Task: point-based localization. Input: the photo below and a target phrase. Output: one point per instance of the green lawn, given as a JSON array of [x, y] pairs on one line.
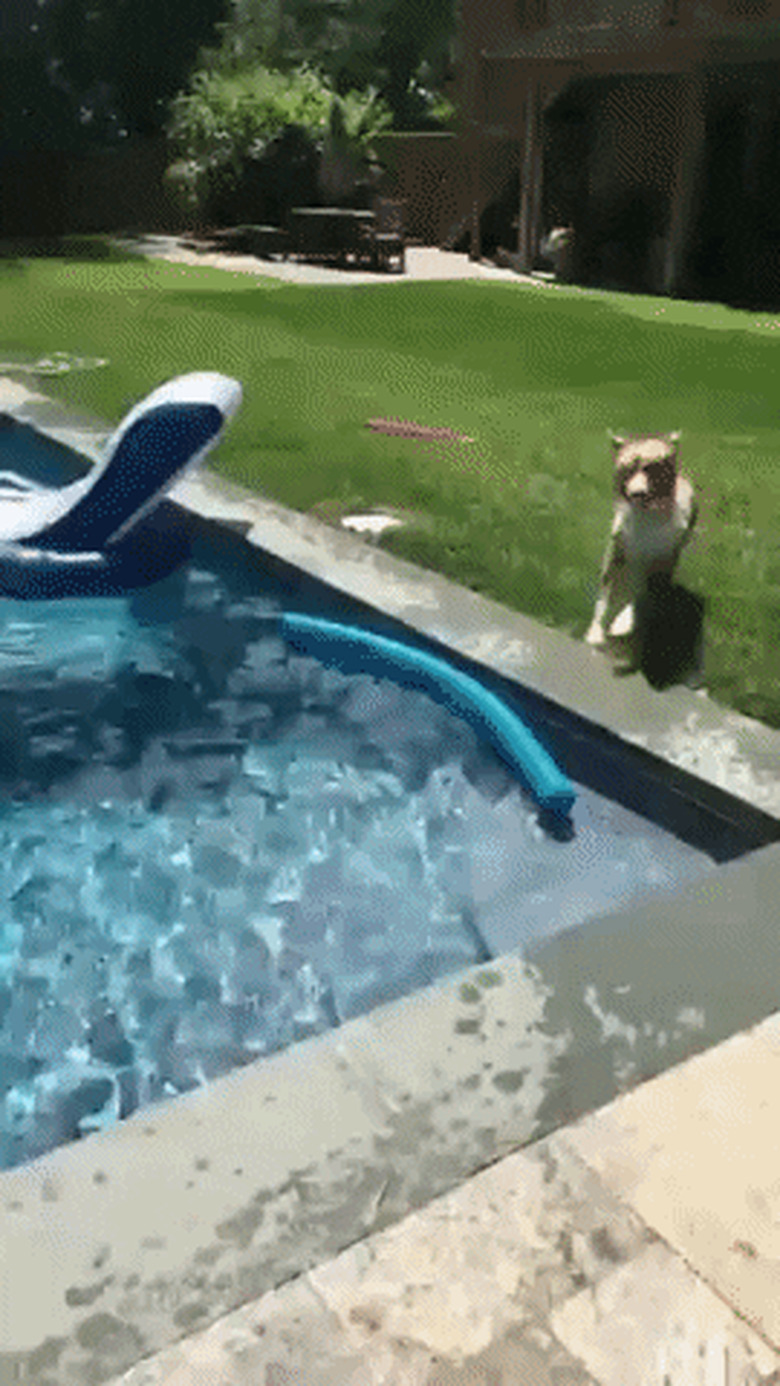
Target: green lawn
[[534, 375]]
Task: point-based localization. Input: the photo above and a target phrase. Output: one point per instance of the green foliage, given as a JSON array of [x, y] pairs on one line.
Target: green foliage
[[226, 118], [400, 47], [251, 34], [364, 116], [442, 111], [96, 68], [123, 60]]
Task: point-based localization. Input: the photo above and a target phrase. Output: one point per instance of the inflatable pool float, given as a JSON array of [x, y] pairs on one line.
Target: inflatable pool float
[[97, 535]]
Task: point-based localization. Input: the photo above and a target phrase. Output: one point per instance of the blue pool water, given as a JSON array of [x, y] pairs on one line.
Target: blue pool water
[[211, 847]]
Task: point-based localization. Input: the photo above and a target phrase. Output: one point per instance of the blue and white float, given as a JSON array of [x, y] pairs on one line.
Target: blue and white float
[[92, 537]]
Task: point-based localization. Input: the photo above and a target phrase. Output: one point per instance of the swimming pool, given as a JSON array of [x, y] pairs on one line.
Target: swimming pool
[[213, 847]]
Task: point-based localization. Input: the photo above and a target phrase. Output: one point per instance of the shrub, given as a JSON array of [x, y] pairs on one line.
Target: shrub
[[226, 121]]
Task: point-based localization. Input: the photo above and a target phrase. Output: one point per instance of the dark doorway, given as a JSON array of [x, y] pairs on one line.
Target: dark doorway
[[736, 243], [567, 139]]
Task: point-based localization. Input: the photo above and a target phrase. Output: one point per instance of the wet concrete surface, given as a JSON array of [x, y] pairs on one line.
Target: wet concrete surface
[[532, 1273]]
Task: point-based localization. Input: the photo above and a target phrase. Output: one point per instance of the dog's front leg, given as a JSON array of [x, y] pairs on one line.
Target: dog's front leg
[[614, 557]]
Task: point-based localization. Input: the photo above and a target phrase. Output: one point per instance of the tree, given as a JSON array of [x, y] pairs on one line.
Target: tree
[[125, 59], [337, 71], [413, 56], [34, 112], [223, 124], [399, 47]]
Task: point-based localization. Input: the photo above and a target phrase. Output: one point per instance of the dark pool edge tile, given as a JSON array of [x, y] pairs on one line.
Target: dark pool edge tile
[[645, 988]]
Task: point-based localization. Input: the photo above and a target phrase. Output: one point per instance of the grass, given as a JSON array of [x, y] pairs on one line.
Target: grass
[[534, 375]]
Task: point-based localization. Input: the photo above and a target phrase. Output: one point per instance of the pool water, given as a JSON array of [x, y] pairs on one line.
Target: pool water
[[211, 847]]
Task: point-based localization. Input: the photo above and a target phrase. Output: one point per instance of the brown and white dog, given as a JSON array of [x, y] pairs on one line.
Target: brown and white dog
[[655, 512]]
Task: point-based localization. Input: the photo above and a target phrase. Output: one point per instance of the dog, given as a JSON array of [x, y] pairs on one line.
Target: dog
[[654, 517]]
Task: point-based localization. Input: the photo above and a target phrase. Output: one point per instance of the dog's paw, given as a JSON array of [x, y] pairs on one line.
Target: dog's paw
[[596, 635], [624, 623]]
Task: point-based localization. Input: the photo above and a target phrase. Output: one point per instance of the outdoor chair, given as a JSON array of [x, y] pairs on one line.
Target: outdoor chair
[[388, 240]]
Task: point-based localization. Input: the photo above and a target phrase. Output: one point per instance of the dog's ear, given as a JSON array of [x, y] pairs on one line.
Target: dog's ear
[[616, 440], [674, 438]]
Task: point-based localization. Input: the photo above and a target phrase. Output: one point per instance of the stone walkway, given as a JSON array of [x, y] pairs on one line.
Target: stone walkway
[[422, 263]]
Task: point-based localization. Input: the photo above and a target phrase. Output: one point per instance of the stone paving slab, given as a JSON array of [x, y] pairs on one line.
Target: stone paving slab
[[655, 1323], [697, 1153], [532, 1273]]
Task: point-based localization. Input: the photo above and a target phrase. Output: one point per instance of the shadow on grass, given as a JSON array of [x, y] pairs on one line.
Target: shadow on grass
[[16, 248], [671, 619]]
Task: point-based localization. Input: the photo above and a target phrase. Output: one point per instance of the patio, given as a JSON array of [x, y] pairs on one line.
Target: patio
[[422, 263]]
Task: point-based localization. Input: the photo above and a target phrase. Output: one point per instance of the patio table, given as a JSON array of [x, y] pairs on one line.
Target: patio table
[[331, 232]]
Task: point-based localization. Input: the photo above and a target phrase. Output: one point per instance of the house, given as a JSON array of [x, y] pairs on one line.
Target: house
[[652, 127]]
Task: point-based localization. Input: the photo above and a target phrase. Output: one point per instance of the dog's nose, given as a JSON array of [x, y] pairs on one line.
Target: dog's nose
[[637, 485]]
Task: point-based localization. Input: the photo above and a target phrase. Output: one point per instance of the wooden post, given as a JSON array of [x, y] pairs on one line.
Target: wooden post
[[530, 181], [687, 181], [471, 39], [537, 178], [475, 179]]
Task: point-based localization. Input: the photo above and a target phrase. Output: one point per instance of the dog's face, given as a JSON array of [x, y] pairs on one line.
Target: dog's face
[[646, 470]]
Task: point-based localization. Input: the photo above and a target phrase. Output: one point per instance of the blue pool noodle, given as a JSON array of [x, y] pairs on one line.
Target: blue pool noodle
[[364, 651]]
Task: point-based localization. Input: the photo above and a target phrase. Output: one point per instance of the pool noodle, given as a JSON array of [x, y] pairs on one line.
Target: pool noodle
[[365, 651]]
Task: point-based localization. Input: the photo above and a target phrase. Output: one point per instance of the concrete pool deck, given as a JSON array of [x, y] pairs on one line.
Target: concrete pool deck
[[364, 1195], [635, 1248]]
